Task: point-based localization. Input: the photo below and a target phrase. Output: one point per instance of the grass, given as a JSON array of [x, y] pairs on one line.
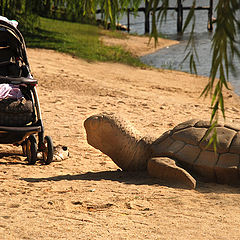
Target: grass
[[80, 40]]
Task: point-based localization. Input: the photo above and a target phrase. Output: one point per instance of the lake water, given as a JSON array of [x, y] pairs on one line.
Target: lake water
[[172, 56]]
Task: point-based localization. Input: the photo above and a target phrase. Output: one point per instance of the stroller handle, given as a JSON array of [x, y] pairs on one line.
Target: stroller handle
[[18, 80]]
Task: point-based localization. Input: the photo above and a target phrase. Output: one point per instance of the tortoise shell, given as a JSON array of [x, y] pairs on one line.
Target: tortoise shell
[[188, 144]]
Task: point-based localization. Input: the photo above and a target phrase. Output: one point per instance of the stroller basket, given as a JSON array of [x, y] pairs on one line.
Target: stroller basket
[[16, 134]]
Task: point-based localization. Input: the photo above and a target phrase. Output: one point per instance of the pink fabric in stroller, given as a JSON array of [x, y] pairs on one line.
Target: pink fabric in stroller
[[10, 91]]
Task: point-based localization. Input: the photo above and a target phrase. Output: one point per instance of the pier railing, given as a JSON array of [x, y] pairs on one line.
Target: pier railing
[[179, 9]]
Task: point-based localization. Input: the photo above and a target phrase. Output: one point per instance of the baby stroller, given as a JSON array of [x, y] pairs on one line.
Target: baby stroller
[[20, 118]]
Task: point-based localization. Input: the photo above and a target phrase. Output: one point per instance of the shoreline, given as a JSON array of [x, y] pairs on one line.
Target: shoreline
[[139, 45]]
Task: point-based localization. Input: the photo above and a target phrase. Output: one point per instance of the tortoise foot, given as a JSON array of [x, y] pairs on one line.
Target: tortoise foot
[[167, 170]]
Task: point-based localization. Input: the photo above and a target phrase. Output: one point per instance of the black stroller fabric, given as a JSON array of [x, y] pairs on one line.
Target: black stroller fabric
[[13, 63]]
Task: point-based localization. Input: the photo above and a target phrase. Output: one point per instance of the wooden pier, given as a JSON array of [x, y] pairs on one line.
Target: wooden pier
[[179, 9]]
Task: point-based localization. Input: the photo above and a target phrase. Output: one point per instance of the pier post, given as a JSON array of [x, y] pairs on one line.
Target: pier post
[[146, 12], [179, 16], [128, 20], [210, 17]]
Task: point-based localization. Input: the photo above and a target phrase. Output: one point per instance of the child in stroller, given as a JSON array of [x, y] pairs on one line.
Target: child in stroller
[[20, 114]]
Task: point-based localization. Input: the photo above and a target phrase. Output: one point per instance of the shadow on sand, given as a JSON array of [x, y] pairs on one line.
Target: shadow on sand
[[137, 178], [125, 177], [9, 158]]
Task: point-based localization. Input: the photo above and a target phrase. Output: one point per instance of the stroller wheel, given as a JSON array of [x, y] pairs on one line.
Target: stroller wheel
[[31, 149], [24, 148], [48, 150]]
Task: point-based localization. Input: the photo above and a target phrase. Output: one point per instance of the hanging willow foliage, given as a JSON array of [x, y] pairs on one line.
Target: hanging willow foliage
[[21, 10], [224, 49]]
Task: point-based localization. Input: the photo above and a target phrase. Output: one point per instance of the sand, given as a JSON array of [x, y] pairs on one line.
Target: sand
[[86, 196], [139, 45]]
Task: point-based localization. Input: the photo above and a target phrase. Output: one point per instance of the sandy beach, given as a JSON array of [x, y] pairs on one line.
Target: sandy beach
[[85, 196]]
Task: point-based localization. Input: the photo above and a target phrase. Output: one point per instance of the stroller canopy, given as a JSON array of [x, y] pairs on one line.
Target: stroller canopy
[[10, 37]]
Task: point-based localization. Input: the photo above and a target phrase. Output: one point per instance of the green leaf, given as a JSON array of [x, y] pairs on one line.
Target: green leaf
[[189, 16]]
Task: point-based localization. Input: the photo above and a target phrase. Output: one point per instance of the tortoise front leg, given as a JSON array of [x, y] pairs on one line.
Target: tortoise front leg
[[166, 169]]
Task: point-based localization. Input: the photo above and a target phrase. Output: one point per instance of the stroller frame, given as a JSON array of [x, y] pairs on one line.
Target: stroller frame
[[24, 135]]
